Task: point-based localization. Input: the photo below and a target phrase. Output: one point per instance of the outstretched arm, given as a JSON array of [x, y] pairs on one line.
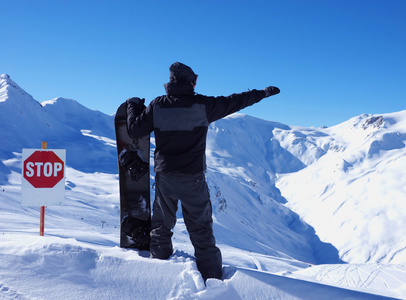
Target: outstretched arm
[[219, 107]]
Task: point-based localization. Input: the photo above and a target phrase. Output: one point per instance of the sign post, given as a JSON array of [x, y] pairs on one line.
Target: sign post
[[42, 209], [43, 179]]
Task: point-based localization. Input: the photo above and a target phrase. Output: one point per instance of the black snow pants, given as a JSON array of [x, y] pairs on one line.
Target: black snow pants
[[193, 193]]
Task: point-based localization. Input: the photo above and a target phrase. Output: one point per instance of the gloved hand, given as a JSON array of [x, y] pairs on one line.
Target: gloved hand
[[136, 100], [135, 106], [271, 90]]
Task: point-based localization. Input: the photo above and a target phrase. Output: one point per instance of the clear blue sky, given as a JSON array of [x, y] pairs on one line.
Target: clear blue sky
[[332, 60]]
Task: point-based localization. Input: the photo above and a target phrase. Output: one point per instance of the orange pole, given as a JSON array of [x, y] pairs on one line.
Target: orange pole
[[42, 221], [42, 211]]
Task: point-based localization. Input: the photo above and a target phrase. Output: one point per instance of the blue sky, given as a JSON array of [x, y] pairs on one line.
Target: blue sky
[[332, 60]]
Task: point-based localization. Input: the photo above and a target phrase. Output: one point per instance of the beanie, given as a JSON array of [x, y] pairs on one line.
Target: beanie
[[181, 72]]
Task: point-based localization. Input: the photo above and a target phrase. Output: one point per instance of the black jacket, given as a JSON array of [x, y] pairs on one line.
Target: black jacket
[[180, 121]]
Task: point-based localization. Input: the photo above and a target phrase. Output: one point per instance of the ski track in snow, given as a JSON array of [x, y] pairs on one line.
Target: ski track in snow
[[8, 293]]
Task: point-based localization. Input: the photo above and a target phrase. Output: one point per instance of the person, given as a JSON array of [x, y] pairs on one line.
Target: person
[[180, 121]]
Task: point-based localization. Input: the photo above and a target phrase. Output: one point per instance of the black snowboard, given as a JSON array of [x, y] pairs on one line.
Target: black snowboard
[[133, 168]]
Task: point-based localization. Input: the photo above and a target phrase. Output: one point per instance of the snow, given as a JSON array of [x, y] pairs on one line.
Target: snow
[[357, 186], [300, 213]]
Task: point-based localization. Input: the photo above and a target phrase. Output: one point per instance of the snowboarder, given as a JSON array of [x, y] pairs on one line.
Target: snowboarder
[[180, 121]]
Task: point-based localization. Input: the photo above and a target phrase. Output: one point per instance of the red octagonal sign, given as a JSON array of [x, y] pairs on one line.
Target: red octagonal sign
[[43, 169]]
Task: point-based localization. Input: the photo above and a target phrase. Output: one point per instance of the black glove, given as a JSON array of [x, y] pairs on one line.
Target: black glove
[[135, 106], [135, 100], [271, 90]]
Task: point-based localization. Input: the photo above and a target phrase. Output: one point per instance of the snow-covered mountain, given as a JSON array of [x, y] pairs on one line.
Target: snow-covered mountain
[[282, 195], [64, 123], [355, 194]]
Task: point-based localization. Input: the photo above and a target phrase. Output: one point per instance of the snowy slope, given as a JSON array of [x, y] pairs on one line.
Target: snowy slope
[[355, 196], [243, 162], [264, 228]]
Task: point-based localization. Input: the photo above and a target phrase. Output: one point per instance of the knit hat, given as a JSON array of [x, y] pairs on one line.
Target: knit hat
[[181, 72]]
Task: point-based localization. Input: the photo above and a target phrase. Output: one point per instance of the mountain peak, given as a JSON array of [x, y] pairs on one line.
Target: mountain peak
[[8, 87], [4, 76], [5, 80], [4, 83]]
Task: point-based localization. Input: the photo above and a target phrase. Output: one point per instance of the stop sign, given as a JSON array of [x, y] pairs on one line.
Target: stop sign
[[43, 169]]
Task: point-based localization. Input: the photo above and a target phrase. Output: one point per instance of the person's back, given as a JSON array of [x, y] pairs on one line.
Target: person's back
[[180, 121], [180, 126]]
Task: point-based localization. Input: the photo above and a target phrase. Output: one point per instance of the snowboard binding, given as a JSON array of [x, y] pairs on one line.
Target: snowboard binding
[[133, 163], [137, 231]]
